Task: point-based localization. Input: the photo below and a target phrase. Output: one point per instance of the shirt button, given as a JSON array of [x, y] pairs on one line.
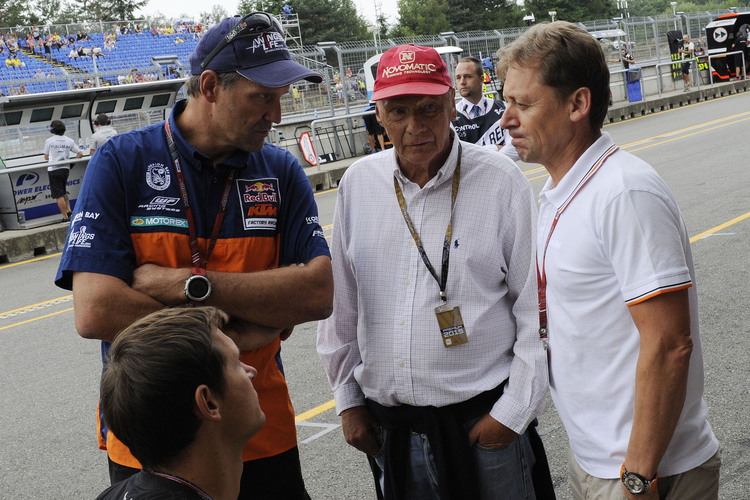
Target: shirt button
[[401, 364], [407, 282], [403, 322]]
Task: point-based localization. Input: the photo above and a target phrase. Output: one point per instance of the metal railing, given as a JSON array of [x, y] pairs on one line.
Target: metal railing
[[672, 63], [719, 56]]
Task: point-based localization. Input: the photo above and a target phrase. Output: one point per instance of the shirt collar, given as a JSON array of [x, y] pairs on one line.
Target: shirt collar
[[558, 194], [443, 175], [465, 105]]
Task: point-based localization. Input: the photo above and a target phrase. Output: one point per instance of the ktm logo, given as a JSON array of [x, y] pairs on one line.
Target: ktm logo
[[263, 210], [407, 56]]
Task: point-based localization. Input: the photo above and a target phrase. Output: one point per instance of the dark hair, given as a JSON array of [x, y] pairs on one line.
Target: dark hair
[[477, 65], [576, 60], [57, 127], [102, 119], [226, 80], [148, 387]]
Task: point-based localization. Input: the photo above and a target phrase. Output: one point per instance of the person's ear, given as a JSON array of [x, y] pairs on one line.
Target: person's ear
[[580, 104], [207, 403], [209, 85]]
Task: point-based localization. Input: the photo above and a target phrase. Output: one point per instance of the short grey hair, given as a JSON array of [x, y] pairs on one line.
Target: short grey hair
[[226, 80]]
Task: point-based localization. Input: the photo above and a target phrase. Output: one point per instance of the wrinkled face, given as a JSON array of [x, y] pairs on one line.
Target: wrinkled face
[[419, 128], [468, 82], [535, 117], [241, 411], [244, 114]]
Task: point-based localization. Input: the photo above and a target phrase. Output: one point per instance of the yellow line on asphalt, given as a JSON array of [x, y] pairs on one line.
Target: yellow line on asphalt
[[35, 305], [719, 227], [687, 135], [56, 254], [315, 411], [36, 319]]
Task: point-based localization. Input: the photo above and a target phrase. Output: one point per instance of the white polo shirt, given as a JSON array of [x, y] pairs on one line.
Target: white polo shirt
[[619, 241]]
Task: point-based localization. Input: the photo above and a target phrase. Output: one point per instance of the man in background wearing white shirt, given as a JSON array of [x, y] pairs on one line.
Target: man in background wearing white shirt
[[433, 351]]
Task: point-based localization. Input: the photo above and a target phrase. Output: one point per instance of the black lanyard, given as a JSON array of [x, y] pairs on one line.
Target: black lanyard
[[443, 279], [198, 262]]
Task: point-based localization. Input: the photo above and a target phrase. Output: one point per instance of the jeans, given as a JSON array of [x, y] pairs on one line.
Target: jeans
[[501, 473]]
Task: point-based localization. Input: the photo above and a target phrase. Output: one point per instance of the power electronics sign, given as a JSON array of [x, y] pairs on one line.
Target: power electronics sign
[[32, 192], [408, 65], [260, 201]]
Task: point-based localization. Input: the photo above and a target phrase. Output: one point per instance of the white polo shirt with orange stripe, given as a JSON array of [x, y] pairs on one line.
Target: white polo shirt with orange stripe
[[619, 240]]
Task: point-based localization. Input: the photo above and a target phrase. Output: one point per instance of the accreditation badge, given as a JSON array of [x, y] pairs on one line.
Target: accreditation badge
[[451, 324]]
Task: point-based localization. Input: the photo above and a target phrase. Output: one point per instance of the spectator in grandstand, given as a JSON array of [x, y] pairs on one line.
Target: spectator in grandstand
[[444, 403], [104, 131], [12, 90], [56, 149], [23, 89], [73, 53], [177, 393], [39, 74], [616, 280], [17, 63], [9, 62], [478, 116], [35, 33], [269, 268], [340, 92]]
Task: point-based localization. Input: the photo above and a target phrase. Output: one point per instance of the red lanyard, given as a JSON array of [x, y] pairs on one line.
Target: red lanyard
[[198, 263], [542, 276]]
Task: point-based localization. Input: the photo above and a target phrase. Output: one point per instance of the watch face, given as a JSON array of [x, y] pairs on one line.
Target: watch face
[[633, 483], [198, 288]]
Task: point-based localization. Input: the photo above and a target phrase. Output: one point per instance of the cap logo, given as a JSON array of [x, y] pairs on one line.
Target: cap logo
[[234, 31], [407, 56], [269, 41]]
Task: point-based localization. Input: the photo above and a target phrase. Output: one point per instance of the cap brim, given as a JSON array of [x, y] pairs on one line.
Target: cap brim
[[280, 73], [410, 89]]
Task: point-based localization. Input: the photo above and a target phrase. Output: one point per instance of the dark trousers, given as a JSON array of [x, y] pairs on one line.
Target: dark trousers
[[272, 478]]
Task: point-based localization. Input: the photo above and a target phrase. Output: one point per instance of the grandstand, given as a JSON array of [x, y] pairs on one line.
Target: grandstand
[[132, 57]]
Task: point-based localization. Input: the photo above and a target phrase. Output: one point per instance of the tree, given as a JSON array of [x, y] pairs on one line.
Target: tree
[[120, 10], [16, 12], [215, 16], [422, 17], [429, 17], [319, 20]]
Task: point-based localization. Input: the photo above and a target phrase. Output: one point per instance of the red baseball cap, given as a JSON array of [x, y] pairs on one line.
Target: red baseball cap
[[411, 70]]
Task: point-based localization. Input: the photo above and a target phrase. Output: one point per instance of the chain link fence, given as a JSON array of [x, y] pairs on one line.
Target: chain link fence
[[341, 63]]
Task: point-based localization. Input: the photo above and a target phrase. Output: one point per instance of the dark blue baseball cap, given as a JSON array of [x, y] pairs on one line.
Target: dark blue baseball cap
[[252, 46]]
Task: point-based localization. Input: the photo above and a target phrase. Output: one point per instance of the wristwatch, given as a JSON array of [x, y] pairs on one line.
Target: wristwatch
[[197, 286], [635, 483]]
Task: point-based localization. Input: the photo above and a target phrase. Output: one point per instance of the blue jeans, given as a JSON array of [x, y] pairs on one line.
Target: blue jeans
[[501, 473]]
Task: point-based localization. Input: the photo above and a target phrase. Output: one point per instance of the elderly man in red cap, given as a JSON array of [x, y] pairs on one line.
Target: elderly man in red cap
[[198, 209], [433, 350]]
